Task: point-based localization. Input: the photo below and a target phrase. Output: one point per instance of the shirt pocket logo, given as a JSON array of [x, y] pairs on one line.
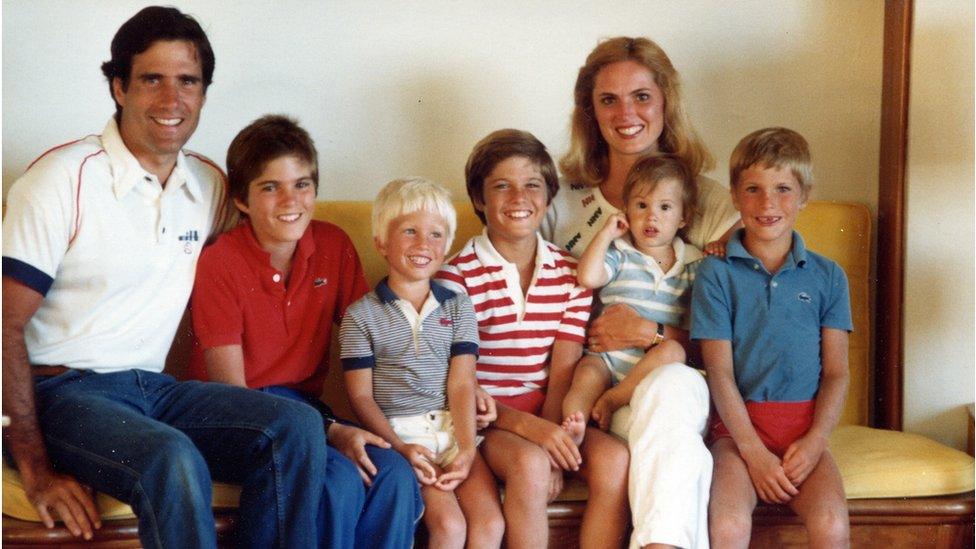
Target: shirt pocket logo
[[804, 297]]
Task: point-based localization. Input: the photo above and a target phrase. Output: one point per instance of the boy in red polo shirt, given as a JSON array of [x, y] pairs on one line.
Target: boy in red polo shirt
[[267, 295]]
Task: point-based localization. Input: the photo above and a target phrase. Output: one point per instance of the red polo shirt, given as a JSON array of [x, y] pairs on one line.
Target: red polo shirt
[[284, 330]]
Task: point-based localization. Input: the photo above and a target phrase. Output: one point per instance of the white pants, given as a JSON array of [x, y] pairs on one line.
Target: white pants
[[670, 467], [433, 430]]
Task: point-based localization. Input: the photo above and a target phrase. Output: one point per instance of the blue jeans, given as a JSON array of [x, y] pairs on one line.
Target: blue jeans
[[383, 515], [156, 443]]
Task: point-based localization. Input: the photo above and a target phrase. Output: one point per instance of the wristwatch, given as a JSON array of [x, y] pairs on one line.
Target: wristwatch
[[659, 336]]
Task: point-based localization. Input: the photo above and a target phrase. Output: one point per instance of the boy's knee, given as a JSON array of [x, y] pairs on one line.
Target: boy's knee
[[831, 526], [530, 469], [488, 528], [728, 529], [449, 527]]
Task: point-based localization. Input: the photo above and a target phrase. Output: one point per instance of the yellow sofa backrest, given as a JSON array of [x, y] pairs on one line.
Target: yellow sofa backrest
[[840, 231]]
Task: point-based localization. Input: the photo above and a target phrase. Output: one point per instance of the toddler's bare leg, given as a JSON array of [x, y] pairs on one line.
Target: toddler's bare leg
[[590, 380], [733, 497], [822, 505]]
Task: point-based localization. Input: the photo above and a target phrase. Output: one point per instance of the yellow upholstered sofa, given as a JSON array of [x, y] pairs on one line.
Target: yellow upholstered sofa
[[904, 489]]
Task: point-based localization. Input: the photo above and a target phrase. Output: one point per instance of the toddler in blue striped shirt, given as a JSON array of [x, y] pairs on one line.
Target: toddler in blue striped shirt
[[638, 259]]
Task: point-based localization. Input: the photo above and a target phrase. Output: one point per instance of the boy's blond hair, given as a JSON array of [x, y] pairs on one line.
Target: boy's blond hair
[[408, 195], [773, 148], [650, 170]]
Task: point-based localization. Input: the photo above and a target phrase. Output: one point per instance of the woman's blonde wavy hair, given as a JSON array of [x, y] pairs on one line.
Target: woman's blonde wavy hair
[[587, 160]]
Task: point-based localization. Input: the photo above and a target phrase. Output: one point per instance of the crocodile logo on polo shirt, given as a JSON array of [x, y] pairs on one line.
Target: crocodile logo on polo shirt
[[804, 297], [319, 282], [446, 321]]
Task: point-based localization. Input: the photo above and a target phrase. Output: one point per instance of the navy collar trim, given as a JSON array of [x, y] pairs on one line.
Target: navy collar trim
[[386, 295]]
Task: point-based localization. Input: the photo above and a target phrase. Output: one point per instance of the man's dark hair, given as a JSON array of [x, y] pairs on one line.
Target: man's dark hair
[[147, 27], [267, 138]]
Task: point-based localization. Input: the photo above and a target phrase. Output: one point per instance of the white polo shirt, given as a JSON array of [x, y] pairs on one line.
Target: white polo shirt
[[112, 251]]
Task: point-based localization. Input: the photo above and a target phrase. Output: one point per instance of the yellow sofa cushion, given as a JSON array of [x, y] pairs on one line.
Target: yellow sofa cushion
[[878, 463], [15, 504]]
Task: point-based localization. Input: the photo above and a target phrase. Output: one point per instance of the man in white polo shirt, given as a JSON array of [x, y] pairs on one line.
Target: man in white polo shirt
[[100, 245]]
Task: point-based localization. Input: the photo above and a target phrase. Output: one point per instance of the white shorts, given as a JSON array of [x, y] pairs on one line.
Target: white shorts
[[432, 430]]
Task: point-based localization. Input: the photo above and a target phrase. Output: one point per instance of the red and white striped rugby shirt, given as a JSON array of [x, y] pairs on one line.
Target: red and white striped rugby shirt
[[517, 332]]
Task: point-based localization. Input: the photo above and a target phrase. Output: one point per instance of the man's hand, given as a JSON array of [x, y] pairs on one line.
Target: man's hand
[[456, 471], [71, 502], [485, 409], [802, 456], [422, 461], [351, 442], [768, 477], [562, 451], [619, 327]]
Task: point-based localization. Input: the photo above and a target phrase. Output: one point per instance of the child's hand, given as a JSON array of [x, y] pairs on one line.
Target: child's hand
[[456, 471], [351, 442], [616, 225], [768, 477], [422, 461], [563, 453], [608, 403], [715, 247], [555, 483], [802, 456], [485, 410]]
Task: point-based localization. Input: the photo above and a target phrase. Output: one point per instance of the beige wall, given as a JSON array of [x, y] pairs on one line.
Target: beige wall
[[939, 273], [395, 88]]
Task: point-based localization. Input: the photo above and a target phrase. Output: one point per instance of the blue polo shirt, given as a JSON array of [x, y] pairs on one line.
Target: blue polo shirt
[[772, 320]]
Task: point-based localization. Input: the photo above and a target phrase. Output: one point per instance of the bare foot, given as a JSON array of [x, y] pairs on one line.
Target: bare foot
[[575, 427]]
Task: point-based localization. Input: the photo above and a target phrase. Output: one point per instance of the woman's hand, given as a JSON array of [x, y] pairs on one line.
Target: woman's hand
[[485, 409], [351, 442], [620, 327], [716, 248]]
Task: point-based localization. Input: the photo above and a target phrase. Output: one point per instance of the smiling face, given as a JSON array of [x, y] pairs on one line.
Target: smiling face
[[414, 246], [655, 217], [161, 104], [280, 203], [769, 200], [515, 200], [629, 108]]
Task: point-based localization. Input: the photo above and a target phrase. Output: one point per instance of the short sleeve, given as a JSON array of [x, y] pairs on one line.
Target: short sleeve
[[711, 311], [353, 285], [612, 261], [215, 305], [576, 315], [450, 277], [39, 224], [465, 338], [716, 213], [836, 309], [354, 338]]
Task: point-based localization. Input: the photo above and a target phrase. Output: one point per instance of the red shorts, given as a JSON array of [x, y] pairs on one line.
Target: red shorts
[[528, 402], [778, 424]]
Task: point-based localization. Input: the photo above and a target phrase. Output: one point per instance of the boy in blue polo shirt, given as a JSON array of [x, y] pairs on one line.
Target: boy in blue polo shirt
[[773, 319]]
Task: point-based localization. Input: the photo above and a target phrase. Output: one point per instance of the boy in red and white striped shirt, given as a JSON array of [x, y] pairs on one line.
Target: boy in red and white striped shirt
[[532, 318]]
